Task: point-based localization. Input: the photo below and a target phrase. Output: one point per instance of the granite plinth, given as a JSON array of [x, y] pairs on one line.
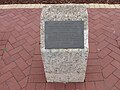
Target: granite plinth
[[64, 65]]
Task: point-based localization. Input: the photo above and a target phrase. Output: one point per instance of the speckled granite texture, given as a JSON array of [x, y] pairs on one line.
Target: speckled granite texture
[[64, 65]]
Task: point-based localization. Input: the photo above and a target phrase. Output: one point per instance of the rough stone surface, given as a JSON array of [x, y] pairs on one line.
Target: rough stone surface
[[64, 65]]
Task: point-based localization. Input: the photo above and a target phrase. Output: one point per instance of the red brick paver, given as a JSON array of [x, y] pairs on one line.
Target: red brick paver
[[21, 66], [17, 46]]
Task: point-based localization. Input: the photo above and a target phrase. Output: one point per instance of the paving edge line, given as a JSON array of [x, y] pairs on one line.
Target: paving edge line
[[10, 6]]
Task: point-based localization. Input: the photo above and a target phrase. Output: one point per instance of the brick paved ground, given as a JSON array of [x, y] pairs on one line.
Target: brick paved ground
[[21, 66]]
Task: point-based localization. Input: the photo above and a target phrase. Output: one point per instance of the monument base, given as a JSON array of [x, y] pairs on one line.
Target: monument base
[[64, 65], [65, 77]]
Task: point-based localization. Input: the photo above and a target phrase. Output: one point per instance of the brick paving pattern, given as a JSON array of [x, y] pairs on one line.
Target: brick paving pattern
[[21, 66]]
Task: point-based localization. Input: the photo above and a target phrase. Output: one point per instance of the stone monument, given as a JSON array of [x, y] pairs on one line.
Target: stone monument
[[64, 42]]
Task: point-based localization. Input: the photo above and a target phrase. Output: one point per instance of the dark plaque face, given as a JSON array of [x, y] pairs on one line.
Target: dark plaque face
[[64, 34]]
